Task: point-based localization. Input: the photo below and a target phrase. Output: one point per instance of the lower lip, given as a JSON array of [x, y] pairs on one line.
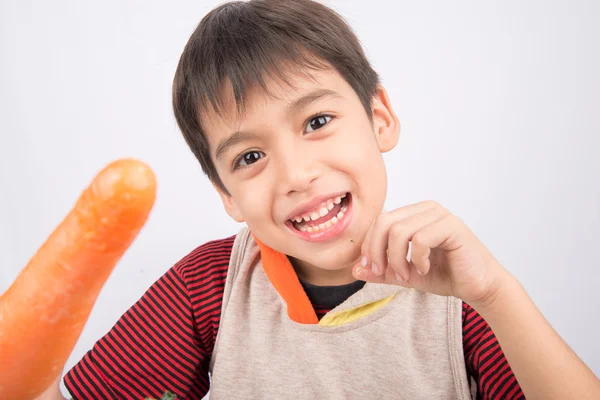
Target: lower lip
[[329, 232]]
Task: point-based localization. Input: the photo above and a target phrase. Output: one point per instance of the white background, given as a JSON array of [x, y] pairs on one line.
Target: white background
[[498, 103]]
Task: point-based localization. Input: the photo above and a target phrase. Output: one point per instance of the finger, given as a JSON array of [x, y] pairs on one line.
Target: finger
[[376, 244], [372, 248], [364, 259], [420, 257], [366, 274], [401, 233], [442, 233]]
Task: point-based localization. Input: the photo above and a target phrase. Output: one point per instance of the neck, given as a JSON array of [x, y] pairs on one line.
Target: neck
[[322, 277]]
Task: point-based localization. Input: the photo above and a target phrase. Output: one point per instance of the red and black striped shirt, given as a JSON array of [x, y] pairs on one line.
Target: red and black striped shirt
[[165, 340]]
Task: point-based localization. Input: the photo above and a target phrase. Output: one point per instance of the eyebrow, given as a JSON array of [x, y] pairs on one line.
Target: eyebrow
[[235, 138], [309, 98], [294, 107]]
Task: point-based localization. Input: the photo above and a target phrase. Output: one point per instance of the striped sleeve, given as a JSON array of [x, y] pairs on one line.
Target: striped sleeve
[[165, 340], [485, 360]]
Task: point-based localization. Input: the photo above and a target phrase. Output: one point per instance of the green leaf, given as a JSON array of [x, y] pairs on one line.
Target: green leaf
[[168, 396]]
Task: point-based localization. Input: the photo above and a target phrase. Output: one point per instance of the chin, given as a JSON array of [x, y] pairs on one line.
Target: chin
[[338, 257]]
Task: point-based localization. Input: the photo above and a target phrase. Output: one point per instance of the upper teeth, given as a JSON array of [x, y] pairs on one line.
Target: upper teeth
[[320, 211]]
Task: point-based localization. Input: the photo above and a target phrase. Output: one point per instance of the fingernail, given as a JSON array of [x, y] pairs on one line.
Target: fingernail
[[364, 261], [399, 277], [420, 272], [375, 268]]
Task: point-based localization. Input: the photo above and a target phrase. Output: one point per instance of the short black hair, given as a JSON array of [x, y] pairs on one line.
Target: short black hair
[[244, 43]]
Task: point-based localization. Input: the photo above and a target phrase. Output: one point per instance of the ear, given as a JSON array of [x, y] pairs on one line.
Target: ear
[[385, 123], [229, 204]]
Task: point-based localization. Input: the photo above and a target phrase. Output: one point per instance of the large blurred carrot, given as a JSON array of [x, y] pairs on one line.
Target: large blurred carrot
[[43, 312]]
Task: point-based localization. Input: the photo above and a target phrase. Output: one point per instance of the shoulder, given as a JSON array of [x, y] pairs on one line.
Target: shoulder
[[208, 260], [187, 300], [203, 273]]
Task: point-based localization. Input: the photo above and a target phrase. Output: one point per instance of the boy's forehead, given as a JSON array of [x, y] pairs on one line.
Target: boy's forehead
[[277, 96]]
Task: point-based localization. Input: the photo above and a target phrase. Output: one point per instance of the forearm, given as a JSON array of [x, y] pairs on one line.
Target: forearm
[[544, 365]]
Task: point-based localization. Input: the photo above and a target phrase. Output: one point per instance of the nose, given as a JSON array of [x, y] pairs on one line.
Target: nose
[[296, 171]]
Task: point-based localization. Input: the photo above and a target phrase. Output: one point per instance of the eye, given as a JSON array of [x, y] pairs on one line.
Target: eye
[[247, 159], [317, 122]]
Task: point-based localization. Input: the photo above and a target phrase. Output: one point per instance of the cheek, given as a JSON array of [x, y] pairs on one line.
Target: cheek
[[254, 204], [357, 151], [253, 207], [360, 158]]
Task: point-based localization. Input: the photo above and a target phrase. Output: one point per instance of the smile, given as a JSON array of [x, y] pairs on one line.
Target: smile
[[325, 221]]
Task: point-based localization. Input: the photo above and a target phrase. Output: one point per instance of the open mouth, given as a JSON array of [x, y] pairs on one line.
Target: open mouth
[[325, 221]]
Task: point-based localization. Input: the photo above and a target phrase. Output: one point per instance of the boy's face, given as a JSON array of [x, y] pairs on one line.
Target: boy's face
[[306, 152]]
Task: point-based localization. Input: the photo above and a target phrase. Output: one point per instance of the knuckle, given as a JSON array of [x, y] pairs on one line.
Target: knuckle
[[432, 204], [397, 231], [418, 240], [380, 222], [454, 219]]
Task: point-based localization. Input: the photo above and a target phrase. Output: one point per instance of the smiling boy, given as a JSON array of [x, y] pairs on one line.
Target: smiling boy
[[288, 119]]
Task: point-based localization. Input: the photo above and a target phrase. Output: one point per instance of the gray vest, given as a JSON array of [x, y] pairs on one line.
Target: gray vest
[[406, 344]]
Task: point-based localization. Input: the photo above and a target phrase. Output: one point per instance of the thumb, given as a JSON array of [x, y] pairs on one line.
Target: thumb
[[366, 274], [389, 278]]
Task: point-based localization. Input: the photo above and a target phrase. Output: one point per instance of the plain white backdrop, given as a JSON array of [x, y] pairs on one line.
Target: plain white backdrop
[[499, 104]]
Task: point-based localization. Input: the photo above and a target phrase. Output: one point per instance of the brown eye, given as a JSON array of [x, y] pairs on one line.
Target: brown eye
[[317, 123], [248, 158]]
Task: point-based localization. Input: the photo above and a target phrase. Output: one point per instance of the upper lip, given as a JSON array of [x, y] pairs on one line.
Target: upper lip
[[312, 203]]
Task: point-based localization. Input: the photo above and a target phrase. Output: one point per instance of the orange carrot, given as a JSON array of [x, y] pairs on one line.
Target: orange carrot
[[44, 310]]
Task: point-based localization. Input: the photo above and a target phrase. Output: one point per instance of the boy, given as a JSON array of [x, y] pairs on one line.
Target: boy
[[288, 120]]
